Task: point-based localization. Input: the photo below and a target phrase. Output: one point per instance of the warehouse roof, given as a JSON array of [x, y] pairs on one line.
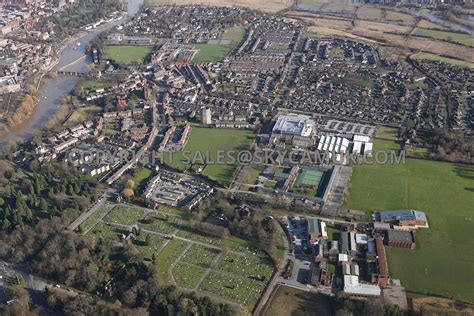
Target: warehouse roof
[[402, 215]]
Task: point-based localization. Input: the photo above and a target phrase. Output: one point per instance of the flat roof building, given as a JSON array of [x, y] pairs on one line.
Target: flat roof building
[[401, 238], [294, 125], [404, 218], [353, 287]]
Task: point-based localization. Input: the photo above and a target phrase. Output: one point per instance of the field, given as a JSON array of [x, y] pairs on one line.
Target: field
[[460, 38], [212, 52], [140, 176], [429, 56], [128, 54], [263, 5], [233, 34], [217, 51], [286, 301], [83, 114], [430, 25], [394, 28], [206, 142], [443, 259]]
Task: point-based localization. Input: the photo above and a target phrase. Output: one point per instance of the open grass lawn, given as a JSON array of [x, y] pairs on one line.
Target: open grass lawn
[[168, 255], [206, 142], [83, 114], [212, 52], [128, 54], [434, 57], [187, 275], [388, 133], [443, 261], [288, 301], [94, 84], [124, 215], [459, 38], [140, 175], [233, 34]]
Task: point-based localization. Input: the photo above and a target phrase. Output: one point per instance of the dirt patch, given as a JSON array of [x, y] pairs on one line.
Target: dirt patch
[[441, 306]]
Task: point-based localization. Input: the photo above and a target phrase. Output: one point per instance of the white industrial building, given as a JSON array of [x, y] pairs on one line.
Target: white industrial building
[[353, 287], [333, 144], [294, 125]]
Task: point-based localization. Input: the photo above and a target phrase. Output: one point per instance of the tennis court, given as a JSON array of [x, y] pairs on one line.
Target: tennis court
[[309, 177]]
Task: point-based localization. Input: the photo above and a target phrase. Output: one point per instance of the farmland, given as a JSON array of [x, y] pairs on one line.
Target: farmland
[[206, 143], [459, 38], [427, 186], [127, 54], [264, 5], [429, 56]]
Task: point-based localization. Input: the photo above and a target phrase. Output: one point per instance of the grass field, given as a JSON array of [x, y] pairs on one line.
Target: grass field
[[429, 56], [459, 38], [263, 5], [212, 52], [206, 142], [94, 84], [430, 25], [215, 51], [443, 260], [83, 114], [233, 34], [288, 301], [140, 175], [127, 54]]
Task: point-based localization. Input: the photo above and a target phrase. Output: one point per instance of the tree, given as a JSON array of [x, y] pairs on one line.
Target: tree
[[43, 205], [130, 184], [147, 240], [127, 193]]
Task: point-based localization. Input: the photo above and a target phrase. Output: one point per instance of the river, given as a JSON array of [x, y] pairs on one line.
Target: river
[[53, 90]]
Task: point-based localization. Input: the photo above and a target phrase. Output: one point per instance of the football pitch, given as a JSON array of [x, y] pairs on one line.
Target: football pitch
[[204, 144], [443, 261], [128, 54]]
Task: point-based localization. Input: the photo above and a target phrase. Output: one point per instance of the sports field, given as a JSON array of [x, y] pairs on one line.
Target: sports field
[[443, 261], [128, 54], [205, 143]]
